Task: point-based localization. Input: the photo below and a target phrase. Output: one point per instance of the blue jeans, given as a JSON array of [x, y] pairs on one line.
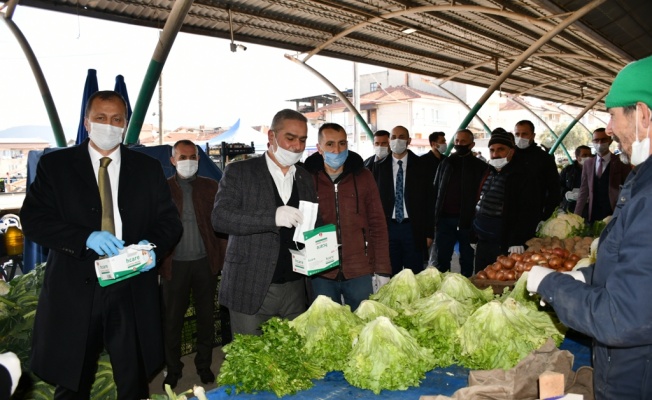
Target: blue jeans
[[447, 234], [354, 290], [403, 252]]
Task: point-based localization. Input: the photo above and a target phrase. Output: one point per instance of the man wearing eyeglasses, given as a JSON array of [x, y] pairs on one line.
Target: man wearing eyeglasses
[[602, 177]]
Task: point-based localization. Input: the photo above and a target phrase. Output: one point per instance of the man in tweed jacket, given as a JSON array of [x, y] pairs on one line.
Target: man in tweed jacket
[[257, 205]]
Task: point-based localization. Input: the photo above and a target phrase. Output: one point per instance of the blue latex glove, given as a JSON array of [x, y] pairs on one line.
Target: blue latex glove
[[152, 255], [104, 243]]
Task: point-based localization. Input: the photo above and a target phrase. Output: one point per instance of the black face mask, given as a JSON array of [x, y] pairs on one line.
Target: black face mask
[[462, 150]]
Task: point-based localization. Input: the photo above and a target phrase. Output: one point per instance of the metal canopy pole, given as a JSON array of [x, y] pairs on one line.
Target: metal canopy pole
[[579, 122], [51, 109], [522, 104], [166, 40], [579, 116], [456, 97], [339, 94], [526, 54]]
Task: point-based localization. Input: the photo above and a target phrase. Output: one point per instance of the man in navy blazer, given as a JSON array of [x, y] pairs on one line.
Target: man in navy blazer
[[409, 230], [76, 317], [257, 206]]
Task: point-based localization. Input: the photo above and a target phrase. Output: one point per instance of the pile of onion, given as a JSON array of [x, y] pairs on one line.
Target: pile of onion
[[510, 268]]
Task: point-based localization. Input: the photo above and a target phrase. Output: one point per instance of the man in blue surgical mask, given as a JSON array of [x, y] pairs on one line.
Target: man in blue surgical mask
[[348, 198], [87, 202], [257, 205]]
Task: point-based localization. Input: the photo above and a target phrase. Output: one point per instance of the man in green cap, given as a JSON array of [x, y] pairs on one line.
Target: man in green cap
[[610, 300]]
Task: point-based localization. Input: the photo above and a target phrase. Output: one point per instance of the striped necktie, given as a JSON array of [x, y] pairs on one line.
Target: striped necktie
[[398, 198]]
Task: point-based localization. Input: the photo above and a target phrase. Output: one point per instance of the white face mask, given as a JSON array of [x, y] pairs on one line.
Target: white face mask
[[522, 143], [442, 148], [381, 152], [286, 157], [580, 161], [640, 149], [187, 168], [105, 136], [398, 146], [601, 148], [498, 163]]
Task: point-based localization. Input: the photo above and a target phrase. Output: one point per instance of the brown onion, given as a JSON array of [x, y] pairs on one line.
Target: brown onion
[[516, 257], [500, 275], [555, 262], [481, 275], [569, 264], [510, 275], [497, 266], [508, 263], [491, 274]]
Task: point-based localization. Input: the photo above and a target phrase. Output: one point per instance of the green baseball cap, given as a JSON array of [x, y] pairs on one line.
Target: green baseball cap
[[632, 84]]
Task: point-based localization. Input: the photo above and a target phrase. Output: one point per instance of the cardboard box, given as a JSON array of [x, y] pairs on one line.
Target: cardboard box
[[117, 268], [320, 252]]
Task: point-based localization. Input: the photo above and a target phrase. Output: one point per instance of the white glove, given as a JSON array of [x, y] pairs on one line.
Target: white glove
[[378, 281], [577, 275], [573, 195], [288, 216], [516, 249], [535, 276], [11, 362], [540, 225]]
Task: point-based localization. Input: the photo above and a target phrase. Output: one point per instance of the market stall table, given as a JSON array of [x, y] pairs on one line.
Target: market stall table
[[443, 381]]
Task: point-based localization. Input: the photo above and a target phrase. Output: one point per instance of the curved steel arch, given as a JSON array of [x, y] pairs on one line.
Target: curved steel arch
[[572, 79], [577, 118], [424, 9]]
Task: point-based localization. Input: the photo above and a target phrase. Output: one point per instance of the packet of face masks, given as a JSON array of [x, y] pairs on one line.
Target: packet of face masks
[[126, 264]]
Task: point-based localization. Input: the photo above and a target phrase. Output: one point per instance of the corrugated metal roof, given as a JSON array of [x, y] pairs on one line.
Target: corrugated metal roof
[[469, 41]]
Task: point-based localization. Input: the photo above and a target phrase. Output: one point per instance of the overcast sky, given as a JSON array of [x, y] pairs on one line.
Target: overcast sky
[[204, 83]]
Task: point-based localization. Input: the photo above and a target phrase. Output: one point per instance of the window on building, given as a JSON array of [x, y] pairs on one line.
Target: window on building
[[373, 86]]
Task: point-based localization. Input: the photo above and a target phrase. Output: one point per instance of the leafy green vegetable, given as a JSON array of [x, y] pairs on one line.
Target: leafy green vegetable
[[400, 291], [500, 334], [329, 330], [369, 310], [435, 324], [386, 357], [272, 362], [429, 281], [462, 289], [522, 295]]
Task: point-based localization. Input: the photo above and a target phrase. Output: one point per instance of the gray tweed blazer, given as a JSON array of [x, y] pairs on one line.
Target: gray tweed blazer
[[245, 209]]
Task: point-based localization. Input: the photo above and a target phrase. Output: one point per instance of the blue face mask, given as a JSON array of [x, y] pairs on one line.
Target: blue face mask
[[335, 160]]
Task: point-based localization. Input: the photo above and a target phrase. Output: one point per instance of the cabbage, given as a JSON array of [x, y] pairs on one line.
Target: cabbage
[[399, 292], [461, 289], [522, 295], [386, 357], [435, 325], [329, 329], [429, 281], [500, 334], [562, 226], [369, 310]]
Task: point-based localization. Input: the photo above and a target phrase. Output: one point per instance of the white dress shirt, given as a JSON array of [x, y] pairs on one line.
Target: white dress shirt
[[283, 182], [114, 176]]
